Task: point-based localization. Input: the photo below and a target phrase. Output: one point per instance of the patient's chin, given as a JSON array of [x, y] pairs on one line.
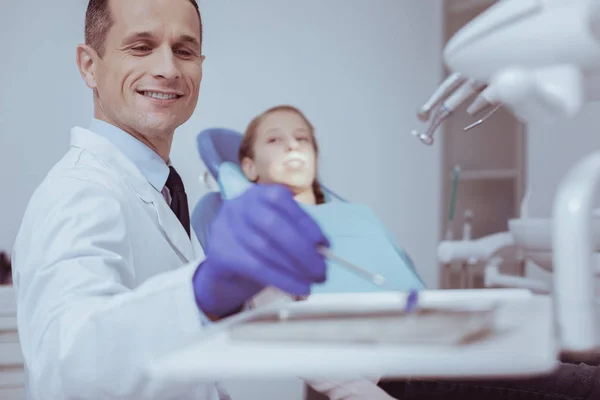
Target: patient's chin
[[294, 180], [297, 184]]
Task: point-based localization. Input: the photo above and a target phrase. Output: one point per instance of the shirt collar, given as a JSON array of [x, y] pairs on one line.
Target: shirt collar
[[154, 169]]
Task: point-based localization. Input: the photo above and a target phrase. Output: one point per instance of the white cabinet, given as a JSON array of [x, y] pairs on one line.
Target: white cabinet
[[12, 379]]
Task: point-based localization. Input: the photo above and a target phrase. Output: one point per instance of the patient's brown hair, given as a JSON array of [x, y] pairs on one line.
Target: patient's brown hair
[[247, 145]]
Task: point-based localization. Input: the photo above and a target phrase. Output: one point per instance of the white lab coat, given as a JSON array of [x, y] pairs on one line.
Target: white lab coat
[[102, 272]]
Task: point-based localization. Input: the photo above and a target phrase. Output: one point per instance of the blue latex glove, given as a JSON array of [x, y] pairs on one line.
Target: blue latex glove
[[261, 238]]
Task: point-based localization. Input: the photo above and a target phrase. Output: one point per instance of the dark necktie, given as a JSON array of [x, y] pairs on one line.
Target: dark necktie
[[179, 203]]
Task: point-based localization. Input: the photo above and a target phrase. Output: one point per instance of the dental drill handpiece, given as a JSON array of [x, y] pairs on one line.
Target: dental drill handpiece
[[460, 95], [439, 116], [449, 85]]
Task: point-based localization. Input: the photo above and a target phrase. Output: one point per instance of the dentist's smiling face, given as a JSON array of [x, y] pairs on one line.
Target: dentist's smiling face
[[147, 76], [284, 152]]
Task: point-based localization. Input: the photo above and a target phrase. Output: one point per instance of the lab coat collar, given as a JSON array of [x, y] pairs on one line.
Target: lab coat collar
[[145, 159], [130, 174]]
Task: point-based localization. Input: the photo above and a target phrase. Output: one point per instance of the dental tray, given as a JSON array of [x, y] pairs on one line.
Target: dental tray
[[389, 324], [255, 344]]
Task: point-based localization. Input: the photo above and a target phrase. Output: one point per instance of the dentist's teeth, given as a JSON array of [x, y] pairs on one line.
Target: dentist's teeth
[[160, 96]]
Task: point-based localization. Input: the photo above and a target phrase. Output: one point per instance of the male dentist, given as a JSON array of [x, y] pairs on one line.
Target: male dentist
[[107, 271]]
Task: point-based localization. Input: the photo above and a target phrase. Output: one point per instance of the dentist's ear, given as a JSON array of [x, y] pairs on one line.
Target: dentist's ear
[[87, 62]]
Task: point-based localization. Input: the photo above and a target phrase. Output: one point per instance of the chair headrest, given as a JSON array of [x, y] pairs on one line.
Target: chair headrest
[[232, 181], [204, 214], [217, 146]]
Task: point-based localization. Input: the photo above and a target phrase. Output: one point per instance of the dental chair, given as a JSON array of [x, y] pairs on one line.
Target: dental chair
[[218, 147]]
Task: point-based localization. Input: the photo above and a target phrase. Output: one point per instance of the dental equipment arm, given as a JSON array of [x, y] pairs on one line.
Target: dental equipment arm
[[479, 249], [541, 59], [494, 278]]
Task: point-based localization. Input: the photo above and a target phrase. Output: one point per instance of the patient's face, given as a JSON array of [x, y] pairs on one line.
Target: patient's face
[[284, 152]]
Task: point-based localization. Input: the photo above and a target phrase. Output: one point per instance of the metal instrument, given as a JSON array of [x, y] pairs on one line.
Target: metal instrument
[[457, 91], [377, 279]]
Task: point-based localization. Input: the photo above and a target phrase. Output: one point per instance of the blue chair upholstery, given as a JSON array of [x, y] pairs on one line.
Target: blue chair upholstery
[[215, 146], [218, 145], [203, 215]]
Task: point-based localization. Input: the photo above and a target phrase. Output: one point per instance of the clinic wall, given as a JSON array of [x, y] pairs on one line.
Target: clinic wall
[[41, 98], [359, 69]]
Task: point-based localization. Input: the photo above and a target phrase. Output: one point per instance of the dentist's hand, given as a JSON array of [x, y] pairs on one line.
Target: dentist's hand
[[261, 238]]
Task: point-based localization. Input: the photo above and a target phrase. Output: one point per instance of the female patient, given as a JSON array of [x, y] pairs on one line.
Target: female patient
[[279, 146]]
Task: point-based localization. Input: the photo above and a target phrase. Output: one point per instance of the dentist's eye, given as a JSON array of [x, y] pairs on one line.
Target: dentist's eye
[[141, 51], [185, 53]]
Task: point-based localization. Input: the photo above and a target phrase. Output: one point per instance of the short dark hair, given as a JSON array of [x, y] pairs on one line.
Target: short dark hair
[[98, 21]]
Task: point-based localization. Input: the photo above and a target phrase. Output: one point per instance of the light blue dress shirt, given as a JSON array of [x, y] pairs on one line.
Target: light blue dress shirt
[[154, 169]]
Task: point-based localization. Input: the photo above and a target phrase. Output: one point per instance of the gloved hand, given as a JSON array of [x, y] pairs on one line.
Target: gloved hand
[[261, 238]]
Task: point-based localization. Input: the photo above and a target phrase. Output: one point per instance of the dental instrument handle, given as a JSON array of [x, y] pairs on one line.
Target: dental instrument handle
[[449, 85], [455, 179], [376, 279], [524, 211], [456, 174], [480, 103], [482, 120], [467, 225], [412, 298], [465, 91]]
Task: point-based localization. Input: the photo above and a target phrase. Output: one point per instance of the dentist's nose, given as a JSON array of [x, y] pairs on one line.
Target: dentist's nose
[[165, 65]]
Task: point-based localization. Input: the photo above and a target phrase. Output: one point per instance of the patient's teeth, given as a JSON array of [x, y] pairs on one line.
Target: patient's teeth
[[294, 163]]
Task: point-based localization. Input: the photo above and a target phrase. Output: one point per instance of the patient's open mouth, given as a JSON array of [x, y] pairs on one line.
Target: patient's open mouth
[[294, 164], [294, 161]]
